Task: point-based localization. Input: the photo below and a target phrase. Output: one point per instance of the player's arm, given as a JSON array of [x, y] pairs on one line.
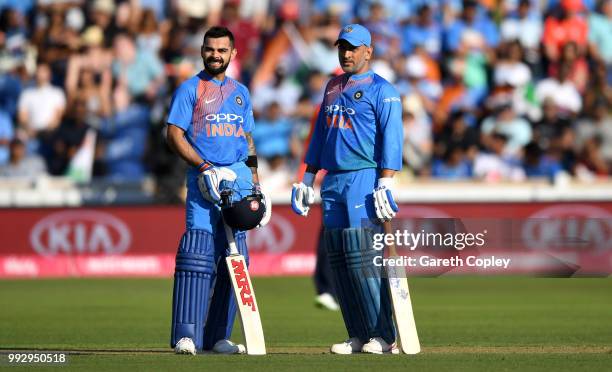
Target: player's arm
[[178, 143], [389, 119], [252, 158], [313, 154], [302, 193], [179, 121]]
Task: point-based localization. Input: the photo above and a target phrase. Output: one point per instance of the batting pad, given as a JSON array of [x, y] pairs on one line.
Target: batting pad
[[353, 321], [192, 277], [223, 308], [371, 293]]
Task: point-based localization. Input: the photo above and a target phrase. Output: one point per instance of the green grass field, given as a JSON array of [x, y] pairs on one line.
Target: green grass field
[[465, 324]]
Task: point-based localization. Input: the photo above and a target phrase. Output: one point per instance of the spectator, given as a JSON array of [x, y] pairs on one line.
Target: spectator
[[496, 165], [591, 163], [6, 135], [149, 37], [385, 32], [457, 133], [516, 130], [598, 89], [273, 133], [67, 139], [477, 25], [40, 108], [10, 90], [22, 165], [600, 41], [281, 89], [140, 71], [454, 166], [418, 144], [561, 90], [425, 31], [124, 137], [578, 68], [417, 88], [526, 29], [550, 127], [563, 26], [538, 164], [599, 128]]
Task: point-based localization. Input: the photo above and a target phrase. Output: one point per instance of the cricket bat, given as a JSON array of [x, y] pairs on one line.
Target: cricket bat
[[402, 306], [245, 298]]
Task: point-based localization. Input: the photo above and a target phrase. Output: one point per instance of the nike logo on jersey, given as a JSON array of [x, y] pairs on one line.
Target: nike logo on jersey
[[359, 205], [207, 101]]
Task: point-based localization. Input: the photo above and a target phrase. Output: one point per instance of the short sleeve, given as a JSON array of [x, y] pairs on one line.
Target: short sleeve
[[181, 108]]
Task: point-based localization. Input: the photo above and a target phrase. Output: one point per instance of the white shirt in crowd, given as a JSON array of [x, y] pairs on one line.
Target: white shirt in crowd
[[565, 94], [41, 105]]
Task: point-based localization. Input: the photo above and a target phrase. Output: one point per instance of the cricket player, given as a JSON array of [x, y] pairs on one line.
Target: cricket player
[[358, 140], [209, 126]]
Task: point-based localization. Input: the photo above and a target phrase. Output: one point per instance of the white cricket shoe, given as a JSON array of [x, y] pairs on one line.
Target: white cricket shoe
[[350, 346], [228, 347], [377, 345], [327, 301], [185, 346]]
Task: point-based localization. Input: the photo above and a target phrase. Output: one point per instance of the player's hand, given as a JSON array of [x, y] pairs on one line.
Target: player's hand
[[209, 180], [385, 206], [302, 195], [266, 201]]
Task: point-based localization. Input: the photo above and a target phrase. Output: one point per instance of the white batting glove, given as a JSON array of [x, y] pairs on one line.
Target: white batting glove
[[210, 179], [266, 202], [385, 206], [302, 195]]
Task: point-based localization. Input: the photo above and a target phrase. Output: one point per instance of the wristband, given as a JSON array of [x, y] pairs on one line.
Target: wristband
[[308, 179], [204, 166], [251, 161]]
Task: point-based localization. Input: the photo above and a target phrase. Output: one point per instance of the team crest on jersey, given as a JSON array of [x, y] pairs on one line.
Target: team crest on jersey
[[239, 100], [358, 94]]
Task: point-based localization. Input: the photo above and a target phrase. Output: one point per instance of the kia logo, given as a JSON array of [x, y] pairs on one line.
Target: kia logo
[[571, 226], [277, 236], [80, 232]]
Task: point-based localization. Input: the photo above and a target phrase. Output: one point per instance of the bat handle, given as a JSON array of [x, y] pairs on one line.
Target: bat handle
[[230, 240]]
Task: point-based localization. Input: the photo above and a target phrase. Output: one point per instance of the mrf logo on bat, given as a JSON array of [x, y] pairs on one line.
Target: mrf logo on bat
[[243, 283]]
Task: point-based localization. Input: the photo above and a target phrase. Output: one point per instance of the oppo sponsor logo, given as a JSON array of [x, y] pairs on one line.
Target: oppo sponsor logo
[[569, 226], [80, 232], [225, 118], [330, 109], [242, 281]]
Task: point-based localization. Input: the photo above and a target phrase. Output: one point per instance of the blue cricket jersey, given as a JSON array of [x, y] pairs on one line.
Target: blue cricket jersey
[[215, 116], [359, 125]]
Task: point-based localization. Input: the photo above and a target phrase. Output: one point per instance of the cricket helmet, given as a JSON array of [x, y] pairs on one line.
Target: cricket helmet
[[243, 214]]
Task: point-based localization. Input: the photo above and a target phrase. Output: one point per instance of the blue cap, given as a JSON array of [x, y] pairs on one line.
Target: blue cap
[[356, 35]]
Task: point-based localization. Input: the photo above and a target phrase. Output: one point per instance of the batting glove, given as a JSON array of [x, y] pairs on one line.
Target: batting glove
[[385, 206], [210, 178], [302, 195], [266, 202]]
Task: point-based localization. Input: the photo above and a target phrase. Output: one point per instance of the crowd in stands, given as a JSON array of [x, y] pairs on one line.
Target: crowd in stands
[[492, 90]]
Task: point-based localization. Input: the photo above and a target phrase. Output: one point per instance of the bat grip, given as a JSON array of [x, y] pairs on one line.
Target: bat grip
[[230, 239]]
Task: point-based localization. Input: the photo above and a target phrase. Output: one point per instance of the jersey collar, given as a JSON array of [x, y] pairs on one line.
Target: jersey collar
[[208, 77], [361, 76]]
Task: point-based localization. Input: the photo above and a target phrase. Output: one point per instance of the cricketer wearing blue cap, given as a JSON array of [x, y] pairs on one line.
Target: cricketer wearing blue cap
[[358, 139]]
